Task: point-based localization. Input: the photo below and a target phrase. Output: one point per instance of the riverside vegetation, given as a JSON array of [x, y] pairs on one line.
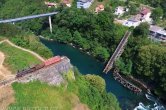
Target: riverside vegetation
[[90, 90]]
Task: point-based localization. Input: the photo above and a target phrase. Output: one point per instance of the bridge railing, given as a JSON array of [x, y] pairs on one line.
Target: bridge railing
[[117, 52], [28, 17]]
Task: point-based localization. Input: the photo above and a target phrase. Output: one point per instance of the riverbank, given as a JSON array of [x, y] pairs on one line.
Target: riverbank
[[131, 78], [87, 64], [72, 45]]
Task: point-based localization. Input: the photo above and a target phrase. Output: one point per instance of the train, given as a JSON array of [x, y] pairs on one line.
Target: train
[[46, 63]]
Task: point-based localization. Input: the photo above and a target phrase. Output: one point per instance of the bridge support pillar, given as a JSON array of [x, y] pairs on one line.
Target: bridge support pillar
[[50, 23]]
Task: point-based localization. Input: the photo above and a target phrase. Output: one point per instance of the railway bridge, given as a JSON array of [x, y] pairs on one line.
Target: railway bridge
[[31, 17], [117, 53]]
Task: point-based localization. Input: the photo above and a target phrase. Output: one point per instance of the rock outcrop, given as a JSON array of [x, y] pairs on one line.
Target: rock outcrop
[[52, 74]]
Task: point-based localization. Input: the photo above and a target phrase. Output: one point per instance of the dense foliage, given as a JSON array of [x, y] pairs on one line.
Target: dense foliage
[[36, 94], [148, 60], [24, 39], [96, 81], [151, 63], [91, 94], [19, 8], [94, 33]]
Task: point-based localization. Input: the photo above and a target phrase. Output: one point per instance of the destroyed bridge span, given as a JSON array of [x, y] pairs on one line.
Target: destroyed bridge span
[[117, 53]]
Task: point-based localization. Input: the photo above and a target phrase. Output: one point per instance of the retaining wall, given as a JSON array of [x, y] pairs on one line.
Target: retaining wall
[[52, 74]]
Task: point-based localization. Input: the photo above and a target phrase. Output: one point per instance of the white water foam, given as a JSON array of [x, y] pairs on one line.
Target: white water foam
[[155, 106]]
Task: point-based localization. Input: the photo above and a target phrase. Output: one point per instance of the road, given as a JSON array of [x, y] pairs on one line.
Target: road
[[28, 17]]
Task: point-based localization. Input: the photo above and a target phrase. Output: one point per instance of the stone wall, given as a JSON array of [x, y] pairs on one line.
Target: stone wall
[[52, 74]]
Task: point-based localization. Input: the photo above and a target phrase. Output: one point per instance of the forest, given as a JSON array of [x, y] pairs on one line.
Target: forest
[[99, 35]]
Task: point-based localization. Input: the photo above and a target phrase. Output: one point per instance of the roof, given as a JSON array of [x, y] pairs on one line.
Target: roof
[[120, 8], [136, 18], [157, 29], [50, 3], [84, 1], [145, 11], [99, 8], [66, 1]]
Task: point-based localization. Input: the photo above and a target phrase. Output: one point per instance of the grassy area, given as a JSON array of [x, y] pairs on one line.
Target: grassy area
[[24, 39], [33, 43], [35, 94], [17, 59], [162, 23]]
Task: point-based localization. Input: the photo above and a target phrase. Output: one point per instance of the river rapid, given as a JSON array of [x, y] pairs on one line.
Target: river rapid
[[88, 65]]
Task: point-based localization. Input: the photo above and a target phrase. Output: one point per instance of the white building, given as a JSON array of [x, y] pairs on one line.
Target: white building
[[157, 33], [143, 16], [134, 21], [145, 13], [120, 10], [84, 3]]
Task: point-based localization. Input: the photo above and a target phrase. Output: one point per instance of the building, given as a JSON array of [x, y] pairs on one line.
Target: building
[[50, 4], [67, 3], [133, 21], [145, 13], [142, 16], [84, 3], [120, 10], [99, 8], [157, 33]]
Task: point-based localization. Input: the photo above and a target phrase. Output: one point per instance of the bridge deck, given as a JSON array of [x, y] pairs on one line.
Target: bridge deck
[[27, 17], [117, 52]]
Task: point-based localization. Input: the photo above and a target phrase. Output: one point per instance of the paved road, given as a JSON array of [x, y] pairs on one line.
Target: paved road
[[28, 17]]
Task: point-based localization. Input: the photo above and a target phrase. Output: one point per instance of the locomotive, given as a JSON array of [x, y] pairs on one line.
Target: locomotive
[[46, 63]]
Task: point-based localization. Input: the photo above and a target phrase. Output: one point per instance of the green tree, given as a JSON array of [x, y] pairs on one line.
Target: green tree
[[133, 9], [96, 81], [142, 30], [151, 65], [125, 68], [157, 13]]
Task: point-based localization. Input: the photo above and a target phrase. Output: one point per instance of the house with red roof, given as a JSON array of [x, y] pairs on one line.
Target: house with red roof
[[99, 8], [145, 13], [50, 4], [142, 16], [67, 3]]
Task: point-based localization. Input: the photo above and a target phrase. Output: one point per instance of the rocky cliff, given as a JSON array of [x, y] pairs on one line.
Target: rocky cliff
[[52, 74]]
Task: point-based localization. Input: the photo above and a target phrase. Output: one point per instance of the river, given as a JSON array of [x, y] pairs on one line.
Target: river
[[88, 65]]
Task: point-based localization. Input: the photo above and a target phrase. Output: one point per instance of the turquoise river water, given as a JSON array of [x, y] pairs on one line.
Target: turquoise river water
[[88, 65]]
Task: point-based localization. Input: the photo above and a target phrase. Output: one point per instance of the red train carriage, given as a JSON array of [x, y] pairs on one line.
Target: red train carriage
[[48, 62], [29, 70], [52, 60]]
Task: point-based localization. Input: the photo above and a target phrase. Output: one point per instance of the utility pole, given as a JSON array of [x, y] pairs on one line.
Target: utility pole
[[50, 23]]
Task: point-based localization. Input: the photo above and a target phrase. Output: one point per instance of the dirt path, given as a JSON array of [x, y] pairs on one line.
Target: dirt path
[[29, 51], [6, 93], [4, 72], [6, 97]]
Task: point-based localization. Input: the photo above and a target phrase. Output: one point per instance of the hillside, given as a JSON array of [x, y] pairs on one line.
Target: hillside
[[75, 94]]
